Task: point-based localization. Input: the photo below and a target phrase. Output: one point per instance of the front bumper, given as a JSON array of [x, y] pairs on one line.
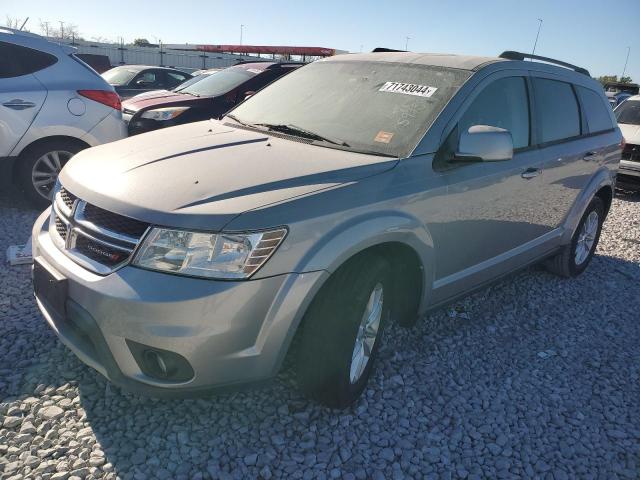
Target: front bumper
[[230, 332], [629, 168]]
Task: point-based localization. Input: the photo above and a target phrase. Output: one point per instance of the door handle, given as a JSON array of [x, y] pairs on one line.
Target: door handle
[[589, 156], [18, 104], [530, 173]]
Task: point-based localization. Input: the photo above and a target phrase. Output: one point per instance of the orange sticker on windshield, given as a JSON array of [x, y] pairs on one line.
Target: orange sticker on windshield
[[383, 137]]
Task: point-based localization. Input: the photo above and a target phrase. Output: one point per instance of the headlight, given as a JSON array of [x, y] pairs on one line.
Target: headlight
[[167, 113], [223, 255]]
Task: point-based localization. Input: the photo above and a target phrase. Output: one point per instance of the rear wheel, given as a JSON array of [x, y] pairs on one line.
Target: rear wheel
[[38, 169], [342, 331], [575, 257]]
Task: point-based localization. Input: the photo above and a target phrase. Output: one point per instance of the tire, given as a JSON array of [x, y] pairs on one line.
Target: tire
[[34, 163], [568, 263], [327, 368]]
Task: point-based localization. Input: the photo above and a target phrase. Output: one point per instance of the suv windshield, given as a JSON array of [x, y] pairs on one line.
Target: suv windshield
[[219, 83], [119, 75], [628, 112], [191, 81], [376, 107]]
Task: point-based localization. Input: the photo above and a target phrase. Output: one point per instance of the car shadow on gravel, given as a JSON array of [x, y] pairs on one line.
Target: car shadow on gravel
[[498, 384]]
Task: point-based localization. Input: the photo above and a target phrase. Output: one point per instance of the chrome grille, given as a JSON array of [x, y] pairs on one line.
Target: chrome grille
[[113, 221], [95, 238], [67, 198], [61, 228]]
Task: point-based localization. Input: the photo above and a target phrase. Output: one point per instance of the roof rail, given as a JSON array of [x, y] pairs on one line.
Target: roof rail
[[384, 49], [511, 55]]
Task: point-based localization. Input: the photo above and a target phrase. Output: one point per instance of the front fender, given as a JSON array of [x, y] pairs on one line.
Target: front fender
[[337, 246], [603, 177]]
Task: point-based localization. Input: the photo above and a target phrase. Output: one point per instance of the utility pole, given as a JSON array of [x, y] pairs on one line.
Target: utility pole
[[241, 29], [406, 43], [624, 70], [535, 44], [61, 29]]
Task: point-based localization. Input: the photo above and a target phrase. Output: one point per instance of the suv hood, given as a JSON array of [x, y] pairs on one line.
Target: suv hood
[[631, 133], [202, 175]]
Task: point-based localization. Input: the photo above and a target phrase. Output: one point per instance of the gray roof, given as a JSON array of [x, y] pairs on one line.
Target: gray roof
[[463, 62]]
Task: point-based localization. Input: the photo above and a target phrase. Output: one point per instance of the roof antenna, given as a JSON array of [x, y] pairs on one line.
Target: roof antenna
[[537, 35], [24, 23]]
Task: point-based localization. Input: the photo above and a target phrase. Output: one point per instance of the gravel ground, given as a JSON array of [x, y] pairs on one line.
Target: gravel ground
[[535, 376]]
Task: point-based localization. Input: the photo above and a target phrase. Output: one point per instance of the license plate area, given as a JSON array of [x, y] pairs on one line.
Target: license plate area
[[50, 286]]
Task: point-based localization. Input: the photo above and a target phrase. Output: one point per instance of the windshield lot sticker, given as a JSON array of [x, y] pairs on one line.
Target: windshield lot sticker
[[408, 89], [383, 137], [254, 70]]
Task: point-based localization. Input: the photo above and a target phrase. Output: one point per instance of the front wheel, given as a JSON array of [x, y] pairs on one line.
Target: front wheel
[[38, 169], [342, 331], [575, 257]]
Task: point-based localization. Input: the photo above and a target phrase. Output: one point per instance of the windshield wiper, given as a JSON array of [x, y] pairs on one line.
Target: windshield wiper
[[235, 119], [301, 132]]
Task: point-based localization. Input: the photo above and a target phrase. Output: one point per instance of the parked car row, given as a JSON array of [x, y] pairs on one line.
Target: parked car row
[[205, 98], [53, 104], [628, 117]]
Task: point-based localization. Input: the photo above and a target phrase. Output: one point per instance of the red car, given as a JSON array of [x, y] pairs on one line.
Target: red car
[[207, 98]]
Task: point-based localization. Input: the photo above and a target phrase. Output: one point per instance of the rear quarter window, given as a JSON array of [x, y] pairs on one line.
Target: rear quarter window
[[596, 110], [16, 60], [557, 110]]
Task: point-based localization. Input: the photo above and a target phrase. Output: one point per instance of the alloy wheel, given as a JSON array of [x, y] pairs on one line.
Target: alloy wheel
[[586, 237], [367, 333], [46, 169]]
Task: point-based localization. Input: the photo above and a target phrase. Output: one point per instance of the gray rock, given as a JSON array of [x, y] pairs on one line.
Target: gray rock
[[51, 412], [11, 422]]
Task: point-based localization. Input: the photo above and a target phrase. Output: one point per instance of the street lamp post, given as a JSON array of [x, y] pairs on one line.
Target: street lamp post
[[624, 70], [241, 29], [406, 43]]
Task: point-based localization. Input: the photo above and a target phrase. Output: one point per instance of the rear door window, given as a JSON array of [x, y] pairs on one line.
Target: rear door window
[[596, 110], [505, 104], [16, 60], [557, 110]]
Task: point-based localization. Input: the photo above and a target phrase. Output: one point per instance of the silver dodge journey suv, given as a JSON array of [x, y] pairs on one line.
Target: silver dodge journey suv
[[357, 190]]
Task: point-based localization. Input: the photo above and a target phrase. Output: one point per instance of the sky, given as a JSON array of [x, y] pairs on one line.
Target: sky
[[590, 33]]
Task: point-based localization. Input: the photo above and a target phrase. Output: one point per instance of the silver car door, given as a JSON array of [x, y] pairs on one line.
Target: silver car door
[[494, 213], [21, 95], [569, 154]]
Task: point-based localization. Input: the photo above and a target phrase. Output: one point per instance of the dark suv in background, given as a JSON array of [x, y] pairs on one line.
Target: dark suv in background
[[130, 80], [208, 98]]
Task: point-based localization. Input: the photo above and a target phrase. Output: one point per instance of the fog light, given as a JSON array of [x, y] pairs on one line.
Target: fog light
[[155, 361], [161, 364]]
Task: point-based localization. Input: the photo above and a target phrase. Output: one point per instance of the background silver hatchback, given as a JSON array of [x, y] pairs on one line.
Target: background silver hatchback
[[52, 105], [356, 190]]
